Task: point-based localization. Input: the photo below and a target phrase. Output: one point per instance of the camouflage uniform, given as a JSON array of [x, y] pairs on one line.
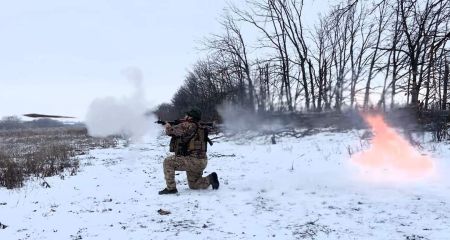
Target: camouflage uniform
[[193, 164]]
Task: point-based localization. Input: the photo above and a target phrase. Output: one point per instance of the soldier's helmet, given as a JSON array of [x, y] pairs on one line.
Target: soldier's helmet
[[195, 113]]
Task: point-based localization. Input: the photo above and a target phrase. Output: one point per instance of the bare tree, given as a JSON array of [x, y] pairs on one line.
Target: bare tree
[[382, 15], [338, 65], [268, 21], [231, 45], [417, 19]]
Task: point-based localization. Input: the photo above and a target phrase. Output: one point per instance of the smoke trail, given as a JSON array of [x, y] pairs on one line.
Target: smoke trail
[[124, 116], [236, 119]]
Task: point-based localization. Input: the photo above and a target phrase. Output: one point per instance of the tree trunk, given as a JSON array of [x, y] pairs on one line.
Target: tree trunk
[[446, 77]]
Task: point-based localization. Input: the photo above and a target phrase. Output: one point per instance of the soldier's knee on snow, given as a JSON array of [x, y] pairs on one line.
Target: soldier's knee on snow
[[192, 186]]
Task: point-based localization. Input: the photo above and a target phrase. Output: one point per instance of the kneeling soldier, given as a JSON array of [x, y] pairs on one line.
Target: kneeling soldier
[[188, 142]]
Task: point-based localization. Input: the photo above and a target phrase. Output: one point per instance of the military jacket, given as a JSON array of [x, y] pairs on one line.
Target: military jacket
[[183, 134]]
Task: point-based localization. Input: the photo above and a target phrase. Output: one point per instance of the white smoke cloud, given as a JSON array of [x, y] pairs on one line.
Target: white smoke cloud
[[236, 119], [124, 116]]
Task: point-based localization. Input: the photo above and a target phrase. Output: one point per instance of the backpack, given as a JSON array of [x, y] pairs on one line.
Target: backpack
[[198, 142]]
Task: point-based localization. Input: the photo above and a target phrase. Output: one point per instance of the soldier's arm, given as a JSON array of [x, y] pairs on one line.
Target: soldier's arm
[[184, 129]]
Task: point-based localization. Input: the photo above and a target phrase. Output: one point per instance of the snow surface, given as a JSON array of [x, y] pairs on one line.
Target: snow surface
[[300, 188]]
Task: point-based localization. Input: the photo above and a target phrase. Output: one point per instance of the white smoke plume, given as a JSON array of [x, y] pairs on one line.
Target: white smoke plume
[[237, 119], [121, 116]]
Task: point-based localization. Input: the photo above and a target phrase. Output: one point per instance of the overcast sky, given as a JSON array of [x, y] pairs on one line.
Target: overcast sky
[[57, 56]]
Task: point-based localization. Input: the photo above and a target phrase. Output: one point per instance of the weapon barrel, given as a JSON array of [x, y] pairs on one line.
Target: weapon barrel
[[36, 115], [176, 122]]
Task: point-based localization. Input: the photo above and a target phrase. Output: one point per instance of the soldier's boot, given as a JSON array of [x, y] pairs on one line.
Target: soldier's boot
[[214, 180], [167, 191]]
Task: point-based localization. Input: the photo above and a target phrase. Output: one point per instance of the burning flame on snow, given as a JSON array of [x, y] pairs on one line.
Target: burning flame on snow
[[390, 157]]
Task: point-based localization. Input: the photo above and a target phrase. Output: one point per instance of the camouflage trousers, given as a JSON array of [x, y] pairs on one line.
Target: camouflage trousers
[[194, 170]]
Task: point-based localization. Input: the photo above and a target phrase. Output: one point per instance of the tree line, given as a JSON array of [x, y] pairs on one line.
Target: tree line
[[360, 54]]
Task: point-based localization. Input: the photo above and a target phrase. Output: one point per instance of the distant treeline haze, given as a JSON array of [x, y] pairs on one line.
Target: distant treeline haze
[[372, 53]]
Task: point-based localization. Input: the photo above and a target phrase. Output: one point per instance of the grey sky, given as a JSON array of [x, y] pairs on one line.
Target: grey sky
[[57, 56]]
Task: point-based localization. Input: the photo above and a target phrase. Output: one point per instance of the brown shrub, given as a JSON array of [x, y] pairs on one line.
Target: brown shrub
[[43, 153], [11, 173]]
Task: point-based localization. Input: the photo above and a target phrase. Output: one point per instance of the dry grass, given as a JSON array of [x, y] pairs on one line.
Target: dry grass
[[44, 152]]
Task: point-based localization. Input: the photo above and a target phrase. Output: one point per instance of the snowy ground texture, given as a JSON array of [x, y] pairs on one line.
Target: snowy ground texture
[[300, 188]]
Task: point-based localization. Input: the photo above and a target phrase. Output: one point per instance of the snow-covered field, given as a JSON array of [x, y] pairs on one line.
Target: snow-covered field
[[300, 188]]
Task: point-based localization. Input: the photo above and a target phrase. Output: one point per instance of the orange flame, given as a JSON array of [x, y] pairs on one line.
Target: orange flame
[[390, 156]]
